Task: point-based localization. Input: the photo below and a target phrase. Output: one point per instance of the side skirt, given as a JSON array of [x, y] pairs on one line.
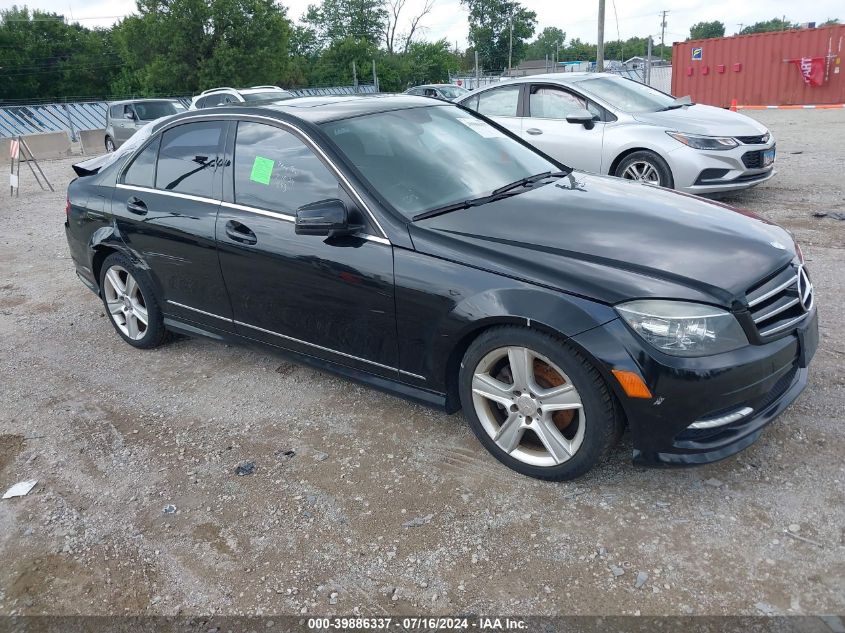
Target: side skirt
[[392, 387]]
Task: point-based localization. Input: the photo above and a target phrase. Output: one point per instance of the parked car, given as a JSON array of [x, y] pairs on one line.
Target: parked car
[[607, 124], [221, 96], [412, 245], [123, 118], [449, 92]]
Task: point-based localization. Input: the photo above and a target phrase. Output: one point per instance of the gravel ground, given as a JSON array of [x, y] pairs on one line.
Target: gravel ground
[[362, 502]]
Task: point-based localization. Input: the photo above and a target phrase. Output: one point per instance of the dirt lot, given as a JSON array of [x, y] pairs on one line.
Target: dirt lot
[[115, 435]]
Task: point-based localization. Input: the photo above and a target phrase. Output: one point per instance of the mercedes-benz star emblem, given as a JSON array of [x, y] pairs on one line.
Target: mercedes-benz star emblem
[[778, 246], [805, 289]]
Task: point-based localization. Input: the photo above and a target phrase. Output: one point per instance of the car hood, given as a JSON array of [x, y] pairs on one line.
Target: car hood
[[703, 119], [613, 240]]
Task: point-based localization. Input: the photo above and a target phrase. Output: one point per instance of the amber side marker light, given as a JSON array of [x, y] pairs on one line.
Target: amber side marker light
[[632, 384]]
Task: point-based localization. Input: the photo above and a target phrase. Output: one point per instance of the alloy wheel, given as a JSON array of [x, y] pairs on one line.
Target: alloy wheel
[[125, 302], [643, 171], [109, 145], [528, 406]]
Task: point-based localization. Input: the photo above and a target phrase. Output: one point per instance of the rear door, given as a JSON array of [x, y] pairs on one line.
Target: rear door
[[165, 205], [502, 104], [545, 126], [325, 297]]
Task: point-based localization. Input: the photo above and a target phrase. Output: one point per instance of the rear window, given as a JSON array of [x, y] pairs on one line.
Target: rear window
[[152, 110]]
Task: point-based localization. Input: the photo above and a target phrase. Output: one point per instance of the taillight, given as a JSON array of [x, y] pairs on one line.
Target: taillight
[[67, 207]]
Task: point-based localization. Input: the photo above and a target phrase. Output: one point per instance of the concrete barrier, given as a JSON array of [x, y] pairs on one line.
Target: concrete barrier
[[42, 146], [93, 141]]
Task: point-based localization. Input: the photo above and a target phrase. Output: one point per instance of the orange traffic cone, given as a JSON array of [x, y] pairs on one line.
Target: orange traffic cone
[[733, 105]]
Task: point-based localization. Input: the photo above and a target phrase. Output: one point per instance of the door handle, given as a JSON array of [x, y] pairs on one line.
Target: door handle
[[240, 233], [136, 206], [533, 131]]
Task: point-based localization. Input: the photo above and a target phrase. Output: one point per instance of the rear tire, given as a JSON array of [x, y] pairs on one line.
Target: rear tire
[[537, 404], [130, 303], [645, 166], [110, 147]]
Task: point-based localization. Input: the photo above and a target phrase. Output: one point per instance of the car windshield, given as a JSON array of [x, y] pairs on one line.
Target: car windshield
[[453, 92], [626, 94], [425, 158], [263, 96], [152, 110]]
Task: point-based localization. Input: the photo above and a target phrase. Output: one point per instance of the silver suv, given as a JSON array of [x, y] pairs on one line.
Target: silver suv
[[221, 96], [124, 117]]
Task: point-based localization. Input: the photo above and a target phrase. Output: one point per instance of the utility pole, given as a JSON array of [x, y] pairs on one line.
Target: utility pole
[[510, 46], [375, 76], [557, 55], [477, 77], [662, 33], [600, 43], [647, 65], [354, 75]]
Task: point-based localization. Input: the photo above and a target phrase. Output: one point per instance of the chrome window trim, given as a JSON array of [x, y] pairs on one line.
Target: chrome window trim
[[308, 141], [164, 192]]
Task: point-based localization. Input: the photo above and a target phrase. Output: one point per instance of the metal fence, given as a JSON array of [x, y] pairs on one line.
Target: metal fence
[[659, 77], [38, 118]]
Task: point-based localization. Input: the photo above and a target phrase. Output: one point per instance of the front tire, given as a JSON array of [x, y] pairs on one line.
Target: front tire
[[537, 404], [130, 303], [645, 166]]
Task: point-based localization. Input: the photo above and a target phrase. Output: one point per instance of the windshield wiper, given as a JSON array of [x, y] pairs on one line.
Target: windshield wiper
[[680, 102], [524, 182], [502, 192]]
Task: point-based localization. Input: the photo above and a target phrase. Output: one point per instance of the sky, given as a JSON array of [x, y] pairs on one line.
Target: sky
[[624, 18]]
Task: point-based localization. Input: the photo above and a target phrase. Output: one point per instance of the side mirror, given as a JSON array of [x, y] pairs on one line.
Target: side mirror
[[582, 116], [327, 218]]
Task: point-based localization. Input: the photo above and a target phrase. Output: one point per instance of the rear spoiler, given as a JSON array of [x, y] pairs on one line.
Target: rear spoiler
[[92, 165]]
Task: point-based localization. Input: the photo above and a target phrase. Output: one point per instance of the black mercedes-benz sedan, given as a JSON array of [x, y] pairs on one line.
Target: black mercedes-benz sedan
[[420, 248]]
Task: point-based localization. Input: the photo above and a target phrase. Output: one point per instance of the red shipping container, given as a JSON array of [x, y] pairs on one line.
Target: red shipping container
[[762, 70]]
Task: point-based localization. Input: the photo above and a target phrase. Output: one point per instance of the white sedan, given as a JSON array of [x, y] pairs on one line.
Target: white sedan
[[604, 123]]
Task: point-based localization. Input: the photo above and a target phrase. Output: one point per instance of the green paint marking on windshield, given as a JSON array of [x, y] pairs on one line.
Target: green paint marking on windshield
[[262, 169]]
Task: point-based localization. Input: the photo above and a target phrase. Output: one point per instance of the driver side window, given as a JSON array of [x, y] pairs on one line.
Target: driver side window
[[550, 102]]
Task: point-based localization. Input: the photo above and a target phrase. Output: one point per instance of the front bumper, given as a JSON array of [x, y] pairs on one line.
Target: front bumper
[[765, 378], [704, 171]]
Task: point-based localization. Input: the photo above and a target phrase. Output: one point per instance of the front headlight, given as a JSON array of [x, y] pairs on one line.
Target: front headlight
[[704, 142], [681, 328]]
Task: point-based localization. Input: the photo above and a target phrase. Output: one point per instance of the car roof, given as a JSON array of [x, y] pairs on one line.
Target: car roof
[[128, 101], [563, 78]]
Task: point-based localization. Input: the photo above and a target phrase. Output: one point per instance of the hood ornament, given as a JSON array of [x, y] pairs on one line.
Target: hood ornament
[[778, 246]]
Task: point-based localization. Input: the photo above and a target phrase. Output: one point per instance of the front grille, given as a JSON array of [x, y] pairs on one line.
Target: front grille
[[753, 140], [753, 160], [781, 302]]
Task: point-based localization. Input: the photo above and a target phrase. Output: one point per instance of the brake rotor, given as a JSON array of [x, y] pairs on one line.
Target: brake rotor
[[546, 377]]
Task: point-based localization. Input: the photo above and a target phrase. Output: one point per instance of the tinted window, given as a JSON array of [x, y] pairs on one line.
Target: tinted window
[[274, 170], [548, 102], [143, 169], [424, 158], [127, 111], [152, 110], [116, 112], [264, 96], [188, 157], [499, 101]]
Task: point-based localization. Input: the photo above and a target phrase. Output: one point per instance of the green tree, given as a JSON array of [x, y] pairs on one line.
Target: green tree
[[336, 20], [830, 22], [490, 25], [705, 30], [768, 26], [548, 42]]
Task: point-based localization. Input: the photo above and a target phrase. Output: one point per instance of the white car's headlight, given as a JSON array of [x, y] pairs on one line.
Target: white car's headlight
[[705, 142], [681, 328]]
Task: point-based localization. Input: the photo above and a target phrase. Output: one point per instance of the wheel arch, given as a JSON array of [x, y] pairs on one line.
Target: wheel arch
[[103, 243], [632, 150]]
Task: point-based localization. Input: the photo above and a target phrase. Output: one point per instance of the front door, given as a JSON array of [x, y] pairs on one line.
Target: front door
[[545, 126], [165, 206], [326, 297]]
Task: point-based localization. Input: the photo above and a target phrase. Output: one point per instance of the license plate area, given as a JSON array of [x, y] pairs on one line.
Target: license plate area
[[768, 156]]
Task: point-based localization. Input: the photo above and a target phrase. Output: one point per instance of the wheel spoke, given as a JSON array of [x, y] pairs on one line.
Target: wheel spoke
[[114, 279], [510, 433], [557, 445], [131, 285], [522, 367], [560, 398], [140, 313], [131, 326], [115, 307], [496, 390]]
